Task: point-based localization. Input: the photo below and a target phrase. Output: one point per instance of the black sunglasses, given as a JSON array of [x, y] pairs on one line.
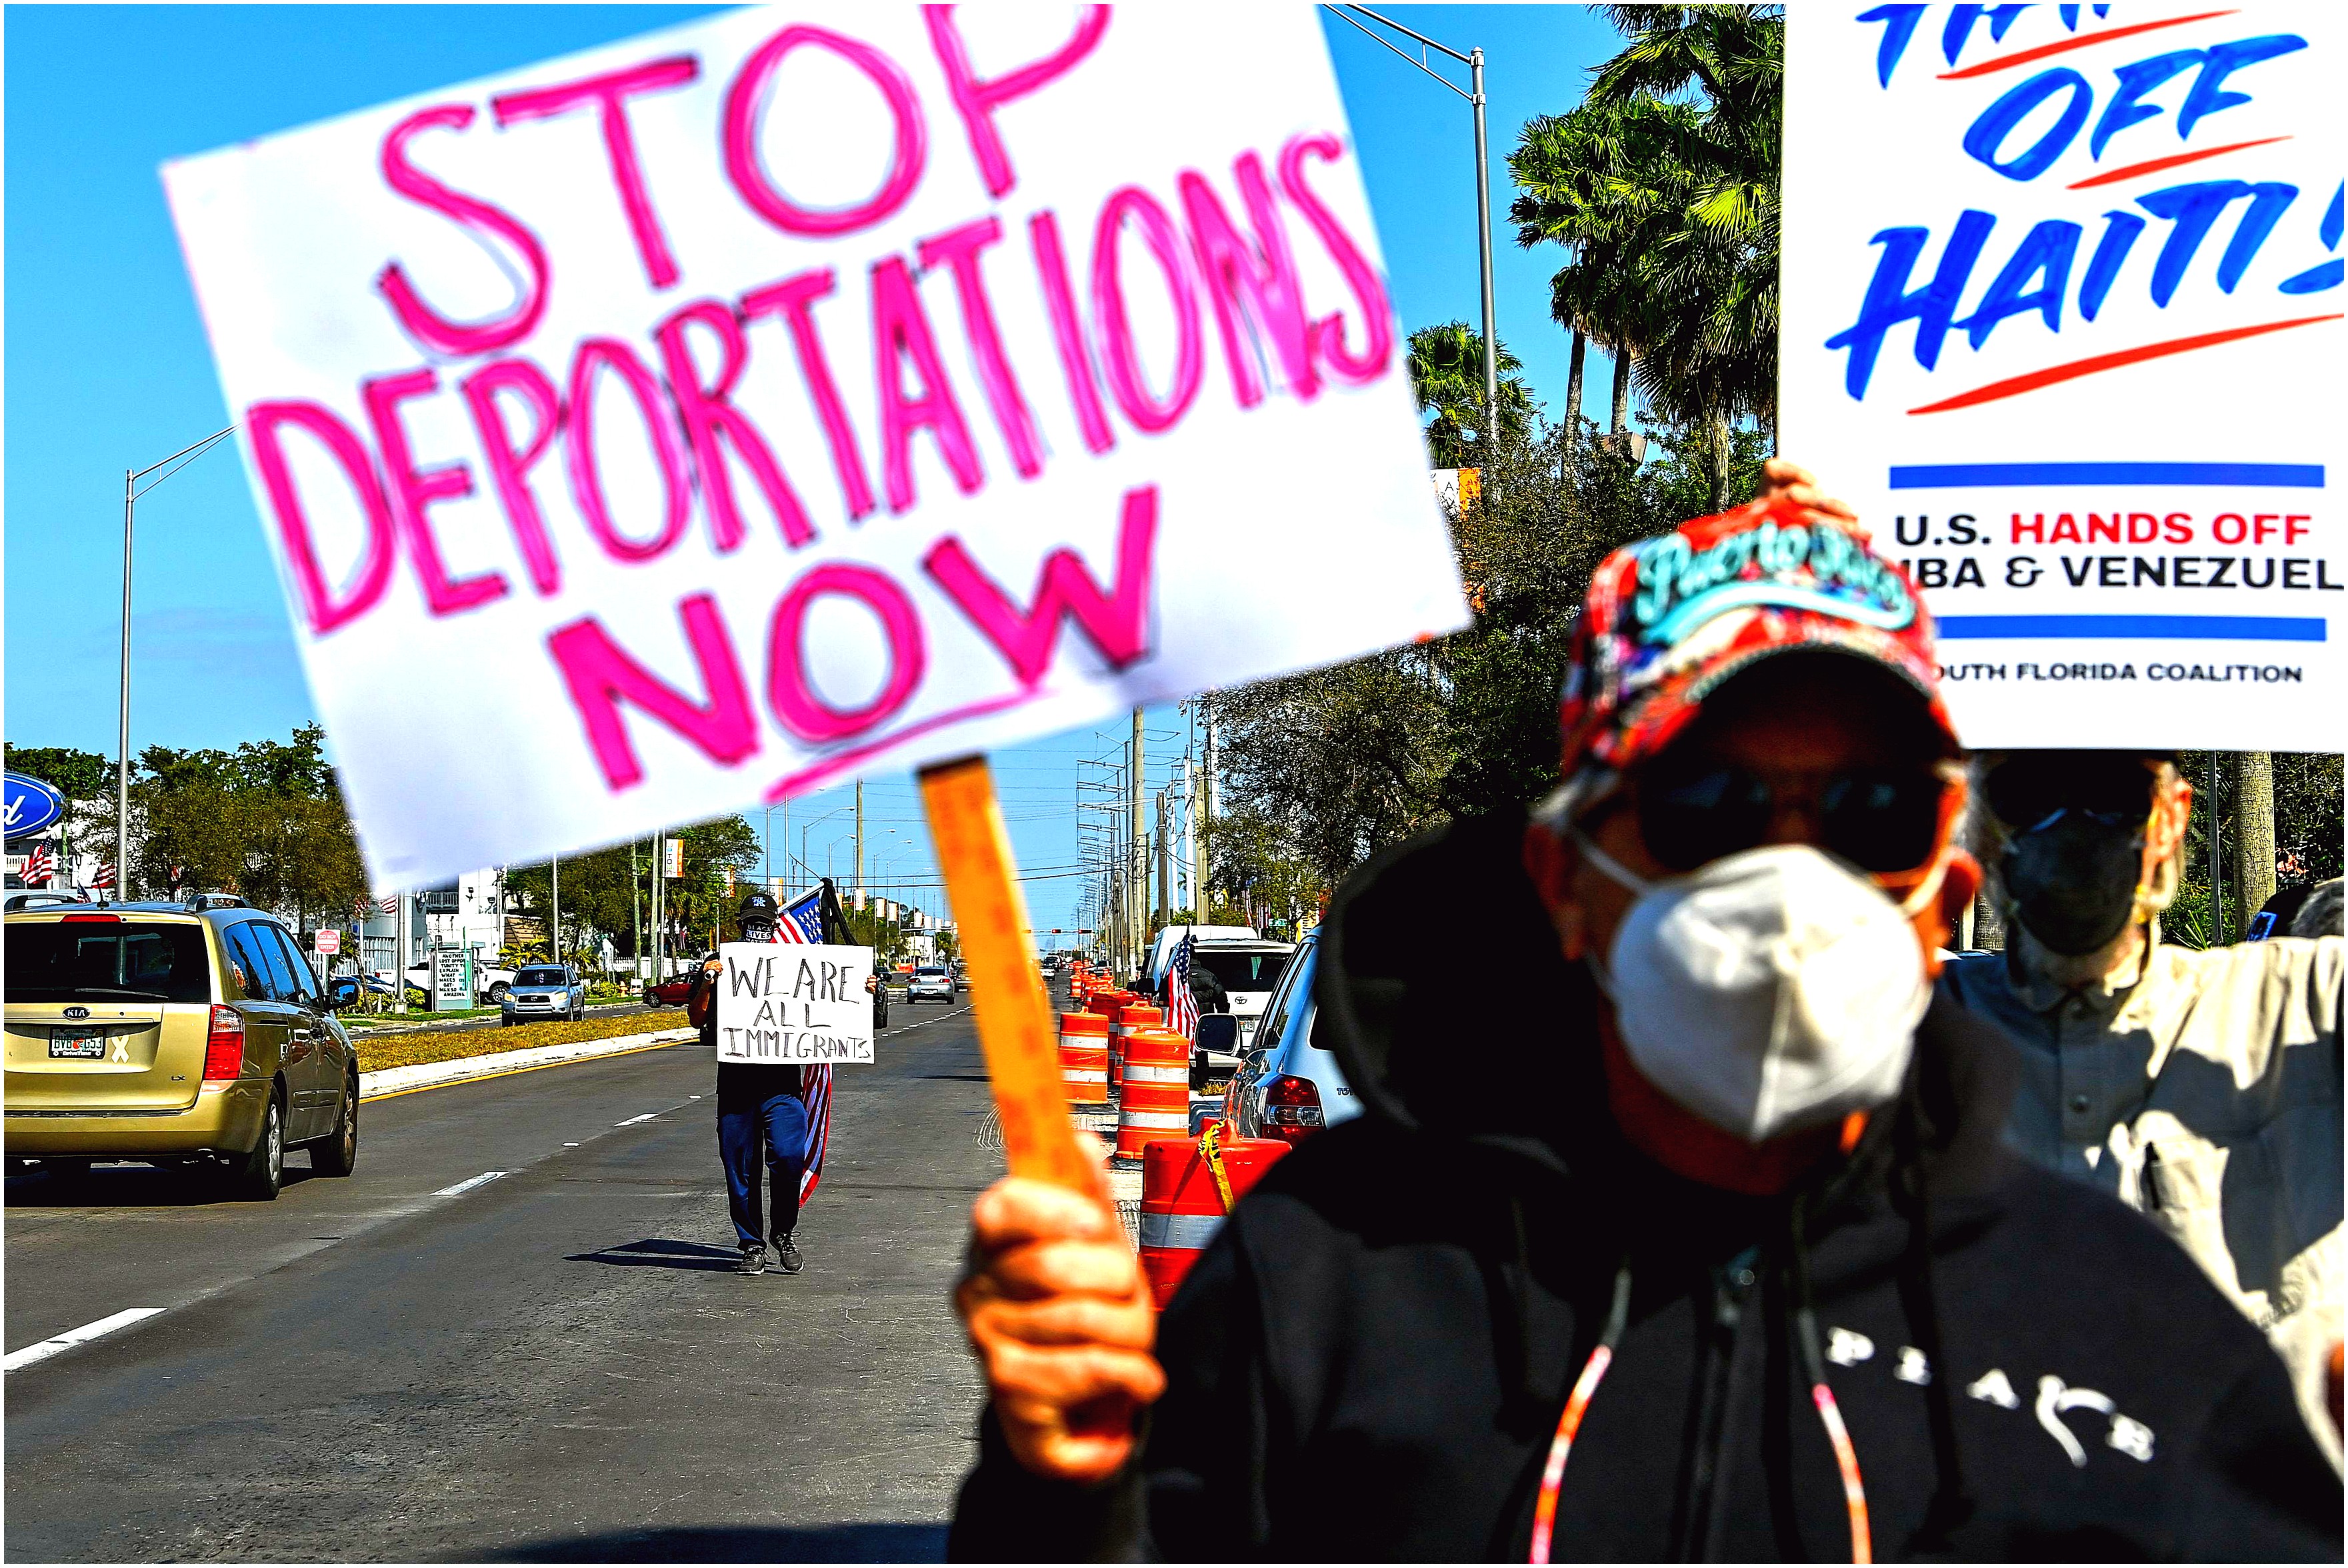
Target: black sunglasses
[[2025, 791], [1880, 820]]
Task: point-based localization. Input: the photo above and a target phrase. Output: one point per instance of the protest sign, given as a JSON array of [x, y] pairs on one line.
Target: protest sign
[[2062, 317], [793, 1003], [714, 417]]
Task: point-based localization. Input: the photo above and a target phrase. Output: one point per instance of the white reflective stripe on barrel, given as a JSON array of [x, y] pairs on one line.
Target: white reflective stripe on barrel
[[1182, 1232], [1143, 1072], [1169, 1120]]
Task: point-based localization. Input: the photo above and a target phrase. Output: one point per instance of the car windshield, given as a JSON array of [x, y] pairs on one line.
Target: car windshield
[[1242, 971], [541, 978], [930, 974], [77, 960]]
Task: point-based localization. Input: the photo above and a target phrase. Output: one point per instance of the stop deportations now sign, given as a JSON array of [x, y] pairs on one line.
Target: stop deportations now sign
[[701, 420]]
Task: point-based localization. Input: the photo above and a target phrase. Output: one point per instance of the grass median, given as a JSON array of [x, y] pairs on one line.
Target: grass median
[[414, 1050]]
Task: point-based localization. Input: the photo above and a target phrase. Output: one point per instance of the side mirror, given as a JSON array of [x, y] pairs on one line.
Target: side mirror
[[1219, 1032], [341, 994]]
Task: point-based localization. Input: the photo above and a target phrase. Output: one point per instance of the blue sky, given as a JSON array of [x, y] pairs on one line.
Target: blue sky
[[107, 367]]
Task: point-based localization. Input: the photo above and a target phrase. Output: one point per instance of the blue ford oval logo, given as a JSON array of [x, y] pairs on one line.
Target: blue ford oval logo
[[76, 1012], [29, 805]]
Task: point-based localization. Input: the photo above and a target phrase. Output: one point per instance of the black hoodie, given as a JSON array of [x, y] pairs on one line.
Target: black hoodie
[[1370, 1360]]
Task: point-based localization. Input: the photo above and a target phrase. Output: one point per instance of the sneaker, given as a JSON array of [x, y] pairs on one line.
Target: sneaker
[[787, 1256], [752, 1262]]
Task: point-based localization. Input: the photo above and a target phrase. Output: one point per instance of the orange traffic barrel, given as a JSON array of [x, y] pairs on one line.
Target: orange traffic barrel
[[1128, 1017], [1156, 1099], [1183, 1204], [1084, 1060]]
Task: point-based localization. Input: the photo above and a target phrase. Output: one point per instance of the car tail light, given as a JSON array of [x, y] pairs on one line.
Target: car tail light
[[1292, 1107], [225, 1048], [91, 920]]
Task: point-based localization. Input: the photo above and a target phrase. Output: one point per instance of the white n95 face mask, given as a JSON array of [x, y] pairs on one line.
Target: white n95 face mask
[[1770, 991]]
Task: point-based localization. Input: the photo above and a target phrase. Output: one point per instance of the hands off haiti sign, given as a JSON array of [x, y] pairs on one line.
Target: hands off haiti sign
[[710, 417], [793, 1003], [2063, 318]]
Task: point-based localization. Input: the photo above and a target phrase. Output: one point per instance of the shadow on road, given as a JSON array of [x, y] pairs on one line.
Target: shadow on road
[[740, 1543], [656, 1252], [133, 1186]]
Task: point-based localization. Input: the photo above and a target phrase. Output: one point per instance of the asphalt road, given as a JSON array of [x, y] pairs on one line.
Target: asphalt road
[[554, 1363]]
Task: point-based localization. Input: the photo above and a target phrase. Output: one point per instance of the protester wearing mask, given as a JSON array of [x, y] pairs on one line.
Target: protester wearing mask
[[1730, 1265], [2201, 1088]]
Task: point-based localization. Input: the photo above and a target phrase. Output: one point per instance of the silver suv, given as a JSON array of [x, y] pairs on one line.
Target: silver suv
[[544, 990]]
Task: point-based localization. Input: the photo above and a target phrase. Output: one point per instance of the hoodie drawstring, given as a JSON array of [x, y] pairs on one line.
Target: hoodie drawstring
[[1806, 1333], [1601, 1357]]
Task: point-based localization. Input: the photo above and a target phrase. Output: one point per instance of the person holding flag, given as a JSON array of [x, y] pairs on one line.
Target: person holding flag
[[1181, 1006]]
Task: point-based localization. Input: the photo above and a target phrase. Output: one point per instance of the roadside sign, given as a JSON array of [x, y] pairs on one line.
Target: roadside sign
[[452, 979], [30, 805], [326, 943], [2061, 292], [797, 392], [789, 1002]]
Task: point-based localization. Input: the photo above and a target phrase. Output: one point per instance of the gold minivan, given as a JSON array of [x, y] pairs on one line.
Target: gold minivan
[[193, 1035]]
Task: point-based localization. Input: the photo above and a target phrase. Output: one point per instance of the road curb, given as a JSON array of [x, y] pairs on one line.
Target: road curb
[[425, 1075]]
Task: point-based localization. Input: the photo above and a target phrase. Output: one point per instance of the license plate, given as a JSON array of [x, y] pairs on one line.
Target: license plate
[[84, 1046]]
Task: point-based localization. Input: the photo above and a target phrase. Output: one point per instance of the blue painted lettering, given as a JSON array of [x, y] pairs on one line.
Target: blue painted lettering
[[2190, 211], [1960, 29], [1898, 27], [2043, 256], [1889, 301], [2126, 106], [2208, 95], [1989, 133], [2120, 230]]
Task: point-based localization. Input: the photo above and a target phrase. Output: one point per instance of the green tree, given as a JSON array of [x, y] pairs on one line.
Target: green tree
[[1446, 375], [75, 774], [1663, 190]]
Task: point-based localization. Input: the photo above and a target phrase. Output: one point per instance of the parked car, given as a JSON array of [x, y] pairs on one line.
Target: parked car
[[669, 993], [544, 990], [1248, 969], [1287, 1087], [930, 982], [197, 1037]]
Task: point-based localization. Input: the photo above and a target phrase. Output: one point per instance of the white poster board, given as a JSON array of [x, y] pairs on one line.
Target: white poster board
[[711, 417], [784, 1003], [2063, 318]]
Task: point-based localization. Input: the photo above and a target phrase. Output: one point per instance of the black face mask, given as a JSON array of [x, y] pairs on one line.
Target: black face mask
[[758, 931], [2073, 879]]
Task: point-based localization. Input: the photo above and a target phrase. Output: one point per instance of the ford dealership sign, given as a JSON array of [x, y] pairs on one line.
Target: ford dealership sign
[[31, 805]]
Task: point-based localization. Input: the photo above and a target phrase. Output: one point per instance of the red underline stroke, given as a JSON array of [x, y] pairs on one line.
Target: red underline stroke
[[832, 766], [2013, 386], [2064, 45], [2155, 165]]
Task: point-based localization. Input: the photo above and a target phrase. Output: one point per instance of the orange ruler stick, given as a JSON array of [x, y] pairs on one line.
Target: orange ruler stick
[[1015, 1014]]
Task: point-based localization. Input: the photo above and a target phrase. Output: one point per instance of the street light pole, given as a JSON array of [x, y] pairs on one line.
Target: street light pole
[[1474, 60], [130, 494]]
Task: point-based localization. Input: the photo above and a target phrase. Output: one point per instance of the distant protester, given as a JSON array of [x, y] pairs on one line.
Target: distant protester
[[2201, 1089]]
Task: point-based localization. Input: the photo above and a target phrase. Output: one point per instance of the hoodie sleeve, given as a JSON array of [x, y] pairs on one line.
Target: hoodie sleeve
[[2256, 1487], [1196, 1491]]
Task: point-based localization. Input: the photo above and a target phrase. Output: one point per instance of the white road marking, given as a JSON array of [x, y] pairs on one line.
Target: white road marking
[[468, 1184], [570, 1146], [634, 1119], [73, 1337]]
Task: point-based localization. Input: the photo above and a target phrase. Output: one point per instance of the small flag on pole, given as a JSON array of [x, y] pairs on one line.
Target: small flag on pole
[[1181, 1007], [105, 881], [40, 866]]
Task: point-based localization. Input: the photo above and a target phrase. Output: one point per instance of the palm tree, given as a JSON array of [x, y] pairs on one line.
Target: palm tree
[[1446, 374], [1663, 189]]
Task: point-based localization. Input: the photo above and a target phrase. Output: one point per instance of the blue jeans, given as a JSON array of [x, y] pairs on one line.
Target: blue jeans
[[782, 1121]]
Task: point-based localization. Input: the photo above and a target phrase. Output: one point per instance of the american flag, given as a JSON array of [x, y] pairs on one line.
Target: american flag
[[1181, 1007], [802, 922], [40, 866], [105, 878]]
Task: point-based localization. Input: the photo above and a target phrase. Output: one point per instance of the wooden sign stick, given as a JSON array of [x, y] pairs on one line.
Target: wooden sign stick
[[1015, 1014]]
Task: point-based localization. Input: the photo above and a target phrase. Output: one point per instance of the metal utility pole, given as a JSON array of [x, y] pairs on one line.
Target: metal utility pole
[[400, 954], [1165, 865], [1207, 819], [554, 931], [1137, 862], [1191, 839], [130, 494], [1474, 60], [635, 915], [860, 842], [659, 910]]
